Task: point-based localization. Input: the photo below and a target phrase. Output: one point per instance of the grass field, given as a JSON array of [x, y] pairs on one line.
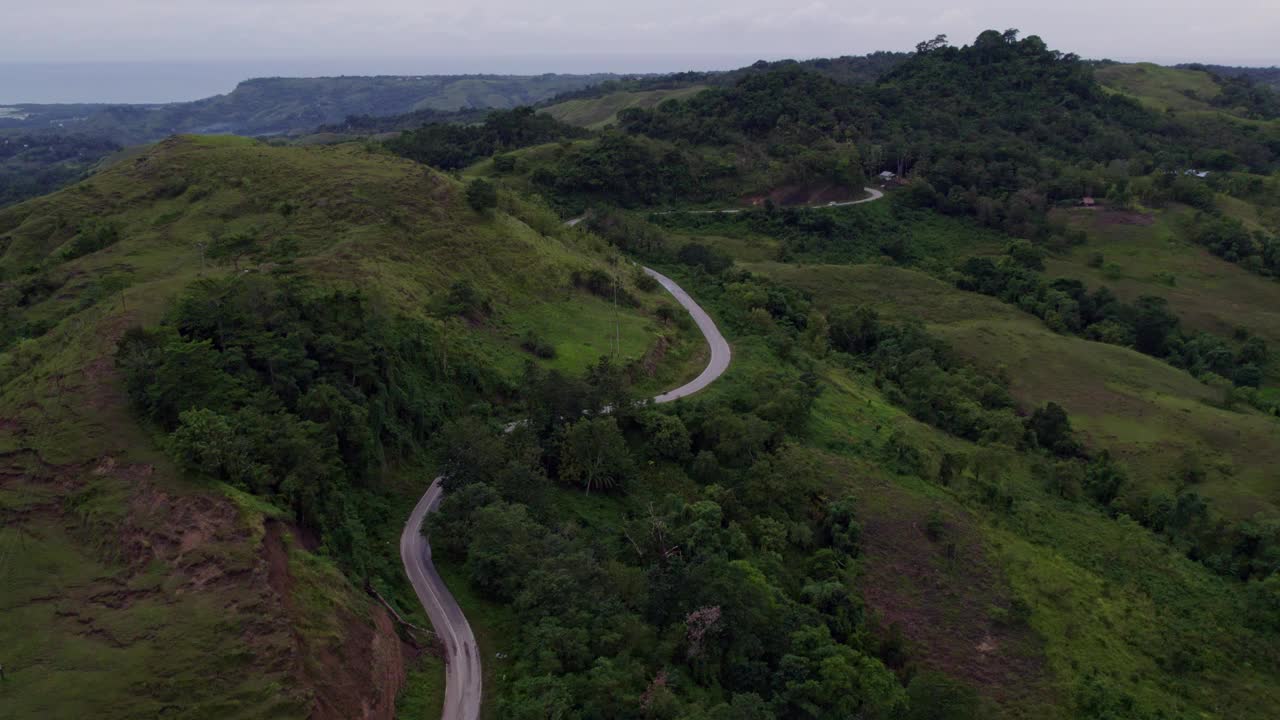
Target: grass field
[[595, 113], [1207, 292], [1161, 88], [1142, 409]]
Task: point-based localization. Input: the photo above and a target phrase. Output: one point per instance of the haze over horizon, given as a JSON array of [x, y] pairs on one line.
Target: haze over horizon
[[183, 50]]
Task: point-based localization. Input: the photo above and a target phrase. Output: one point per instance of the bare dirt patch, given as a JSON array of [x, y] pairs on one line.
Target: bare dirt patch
[[927, 575], [356, 675]]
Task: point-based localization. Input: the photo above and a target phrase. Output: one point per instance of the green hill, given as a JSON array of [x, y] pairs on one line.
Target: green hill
[[1162, 88], [1098, 589], [595, 113], [163, 579]]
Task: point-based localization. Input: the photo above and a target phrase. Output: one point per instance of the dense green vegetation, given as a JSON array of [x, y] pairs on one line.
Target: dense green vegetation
[[296, 395], [732, 595], [37, 164], [1000, 130], [450, 147], [224, 367]]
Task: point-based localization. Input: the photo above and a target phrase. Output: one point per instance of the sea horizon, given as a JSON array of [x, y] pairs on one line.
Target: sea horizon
[[154, 82]]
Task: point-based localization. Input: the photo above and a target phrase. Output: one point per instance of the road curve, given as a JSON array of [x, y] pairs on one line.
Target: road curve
[[720, 353], [463, 678], [872, 195]]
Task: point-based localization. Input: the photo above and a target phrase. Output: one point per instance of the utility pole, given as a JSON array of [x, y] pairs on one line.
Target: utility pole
[[617, 321]]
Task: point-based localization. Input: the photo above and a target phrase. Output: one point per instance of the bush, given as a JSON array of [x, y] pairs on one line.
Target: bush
[[645, 282], [709, 259], [466, 300], [94, 235], [537, 345], [481, 195]]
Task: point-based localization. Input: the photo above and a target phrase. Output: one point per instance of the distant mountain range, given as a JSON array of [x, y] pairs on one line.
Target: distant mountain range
[[274, 106]]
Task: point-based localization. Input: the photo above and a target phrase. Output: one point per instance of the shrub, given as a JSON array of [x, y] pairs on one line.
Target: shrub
[[481, 195], [538, 345]]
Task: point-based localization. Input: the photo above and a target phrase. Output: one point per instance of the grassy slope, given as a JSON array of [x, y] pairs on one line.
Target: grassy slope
[[595, 113], [150, 614], [1161, 88], [1142, 409], [1184, 93], [1104, 596], [1208, 293]]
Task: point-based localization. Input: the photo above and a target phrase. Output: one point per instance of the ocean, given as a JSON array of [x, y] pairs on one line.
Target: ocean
[[157, 82]]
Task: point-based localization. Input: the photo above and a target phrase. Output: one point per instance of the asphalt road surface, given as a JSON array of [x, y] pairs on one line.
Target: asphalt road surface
[[463, 677]]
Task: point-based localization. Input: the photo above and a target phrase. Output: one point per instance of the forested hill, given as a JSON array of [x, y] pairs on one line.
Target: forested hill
[[995, 129], [854, 69]]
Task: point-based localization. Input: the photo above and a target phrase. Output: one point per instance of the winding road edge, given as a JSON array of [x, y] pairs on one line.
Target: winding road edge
[[463, 677]]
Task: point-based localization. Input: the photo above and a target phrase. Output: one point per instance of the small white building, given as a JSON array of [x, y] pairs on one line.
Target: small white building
[[1197, 173], [887, 176]]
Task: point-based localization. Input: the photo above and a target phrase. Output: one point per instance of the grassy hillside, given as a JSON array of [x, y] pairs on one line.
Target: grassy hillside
[[155, 587], [1139, 408], [1195, 95], [1015, 589], [1150, 254], [1162, 88], [595, 113]]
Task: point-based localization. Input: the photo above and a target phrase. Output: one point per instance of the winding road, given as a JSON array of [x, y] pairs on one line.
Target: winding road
[[463, 677], [463, 687]]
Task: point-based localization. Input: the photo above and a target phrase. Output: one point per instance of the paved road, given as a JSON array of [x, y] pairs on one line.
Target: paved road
[[463, 678], [872, 195], [462, 683], [720, 353]]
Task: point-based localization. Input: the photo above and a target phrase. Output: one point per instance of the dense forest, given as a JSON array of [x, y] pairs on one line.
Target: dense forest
[[37, 164], [451, 146], [1000, 130]]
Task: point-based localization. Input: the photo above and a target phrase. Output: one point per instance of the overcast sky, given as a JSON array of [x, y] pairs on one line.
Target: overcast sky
[[1236, 31]]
